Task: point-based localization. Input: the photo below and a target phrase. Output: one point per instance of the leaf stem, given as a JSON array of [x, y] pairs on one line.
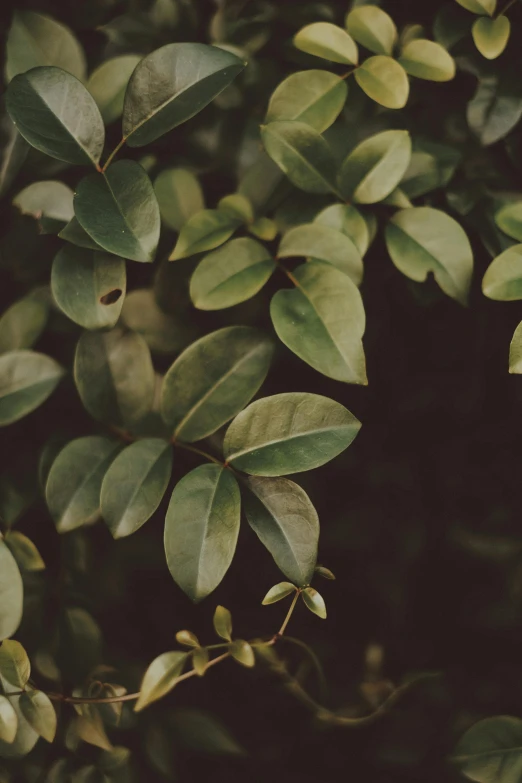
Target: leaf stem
[[112, 155], [289, 613], [201, 453], [286, 271], [506, 8]]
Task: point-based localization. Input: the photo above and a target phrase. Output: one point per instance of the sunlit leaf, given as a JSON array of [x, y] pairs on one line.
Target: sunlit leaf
[[509, 219], [427, 60], [278, 592], [24, 551], [222, 621], [372, 28], [11, 594], [160, 678], [15, 667], [50, 202], [327, 41], [503, 278], [8, 720], [204, 230], [326, 244], [375, 167], [39, 713], [179, 196], [313, 97], [384, 80], [242, 652], [314, 601], [108, 82], [491, 35], [347, 219], [479, 6]]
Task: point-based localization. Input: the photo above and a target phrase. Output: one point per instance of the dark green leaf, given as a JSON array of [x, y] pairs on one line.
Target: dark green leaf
[[495, 108], [491, 750], [161, 332], [76, 235], [313, 97], [26, 381]]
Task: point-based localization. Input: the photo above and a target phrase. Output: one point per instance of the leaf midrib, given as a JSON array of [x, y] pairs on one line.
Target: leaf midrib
[[268, 444]]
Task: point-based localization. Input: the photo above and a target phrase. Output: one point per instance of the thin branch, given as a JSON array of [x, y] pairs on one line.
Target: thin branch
[[112, 155], [201, 453], [506, 7], [289, 613]]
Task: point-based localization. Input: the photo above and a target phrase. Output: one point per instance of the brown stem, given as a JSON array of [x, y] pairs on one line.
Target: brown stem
[[112, 155], [289, 613]]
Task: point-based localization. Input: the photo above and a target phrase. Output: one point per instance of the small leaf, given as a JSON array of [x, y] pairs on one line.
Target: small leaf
[[509, 220], [503, 278], [14, 663], [302, 154], [231, 274], [134, 485], [264, 228], [213, 380], [325, 572], [347, 219], [8, 720], [328, 41], [515, 352], [22, 324], [237, 206], [313, 97], [54, 112], [278, 592], [242, 652], [179, 196], [108, 82], [24, 551], [203, 231], [314, 601], [223, 623], [49, 202], [427, 60], [119, 211], [384, 80], [201, 529], [11, 595], [171, 85], [27, 379], [491, 750], [160, 678], [491, 36], [74, 483], [187, 638], [323, 243], [289, 433], [479, 6], [372, 28], [375, 167], [39, 713], [89, 286], [200, 658]]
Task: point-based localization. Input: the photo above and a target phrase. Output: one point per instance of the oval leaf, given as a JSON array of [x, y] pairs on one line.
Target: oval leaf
[[22, 324], [491, 35], [384, 80], [509, 220], [324, 244], [8, 720], [11, 596], [108, 82], [161, 332], [313, 97], [503, 278], [427, 60], [491, 750], [27, 379], [375, 167], [76, 235], [15, 667], [179, 196], [24, 551], [279, 591], [347, 219], [327, 41], [242, 652], [314, 601], [203, 231], [372, 28], [222, 622], [495, 109], [160, 678], [37, 709]]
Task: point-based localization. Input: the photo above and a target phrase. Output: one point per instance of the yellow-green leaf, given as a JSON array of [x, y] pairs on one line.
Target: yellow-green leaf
[[427, 60], [313, 97], [314, 601], [372, 28], [479, 6], [491, 35], [223, 623], [203, 231], [328, 41], [503, 278], [278, 592], [375, 167], [242, 652], [384, 80], [160, 678]]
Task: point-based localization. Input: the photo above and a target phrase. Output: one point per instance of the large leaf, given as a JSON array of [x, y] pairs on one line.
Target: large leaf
[[509, 219], [324, 244], [74, 482], [114, 376], [119, 211], [372, 28], [503, 278], [171, 85], [491, 751], [427, 60], [22, 323], [491, 35], [421, 240], [313, 97], [231, 274], [282, 515], [384, 80], [179, 196], [39, 713], [135, 484], [479, 6], [160, 677], [213, 380], [26, 381], [55, 113], [36, 39], [11, 593], [375, 167], [328, 41], [50, 202], [89, 286], [322, 320], [495, 108], [107, 84], [347, 219], [302, 154], [289, 433], [204, 230], [201, 529]]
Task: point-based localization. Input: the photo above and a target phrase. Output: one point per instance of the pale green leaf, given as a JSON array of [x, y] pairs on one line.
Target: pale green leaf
[[479, 6], [26, 738], [222, 621], [491, 750], [242, 652], [50, 202], [108, 82], [200, 659], [314, 601], [187, 638], [375, 167], [162, 332], [15, 666], [323, 243], [313, 97], [11, 594], [264, 228], [27, 379], [503, 278], [237, 206], [427, 60], [509, 220], [347, 219], [22, 324], [278, 592], [372, 28], [39, 713], [384, 80], [491, 36], [515, 352], [398, 198], [179, 196], [203, 231], [328, 41], [160, 678], [8, 720], [24, 551]]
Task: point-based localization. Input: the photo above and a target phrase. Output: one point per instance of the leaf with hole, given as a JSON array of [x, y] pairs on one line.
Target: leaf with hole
[[384, 80], [323, 243], [427, 60], [313, 97], [203, 231], [179, 196], [27, 379], [328, 41], [375, 167], [373, 28]]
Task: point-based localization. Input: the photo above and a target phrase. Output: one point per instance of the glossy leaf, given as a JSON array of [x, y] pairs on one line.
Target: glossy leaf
[[24, 551], [89, 286], [326, 244], [282, 515], [322, 321], [179, 196], [491, 750], [384, 80], [302, 154], [503, 278], [8, 720], [15, 667], [509, 219], [423, 240], [370, 26], [76, 235], [289, 433], [427, 60], [314, 601], [242, 652], [491, 35], [479, 6], [327, 41], [135, 484], [171, 85], [187, 638], [278, 592], [375, 167], [347, 219], [27, 379], [75, 479], [223, 623], [39, 713], [313, 97], [55, 113], [11, 595], [231, 274], [108, 82], [213, 380], [22, 324], [119, 211], [160, 678], [515, 352], [204, 231], [50, 202], [201, 529]]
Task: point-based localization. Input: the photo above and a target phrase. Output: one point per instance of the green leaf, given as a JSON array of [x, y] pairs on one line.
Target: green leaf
[[50, 202], [135, 484], [8, 721], [161, 332], [22, 324], [496, 108], [171, 85], [375, 167], [231, 274], [264, 228], [326, 244], [108, 82], [289, 433], [242, 652], [479, 6], [325, 573], [491, 35], [427, 60], [75, 479], [503, 278], [15, 666], [201, 529], [322, 321], [187, 638], [54, 112], [421, 240], [384, 80], [213, 380], [509, 219], [283, 517], [160, 678], [76, 235], [119, 211], [451, 25], [179, 196], [327, 41], [491, 750], [26, 738], [27, 379], [515, 352], [11, 595], [37, 39], [347, 219], [89, 286], [13, 154], [200, 659], [279, 591], [372, 28], [203, 231], [314, 601], [399, 199], [24, 551], [302, 154], [223, 623], [238, 207], [39, 713], [114, 376], [431, 166], [313, 97]]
